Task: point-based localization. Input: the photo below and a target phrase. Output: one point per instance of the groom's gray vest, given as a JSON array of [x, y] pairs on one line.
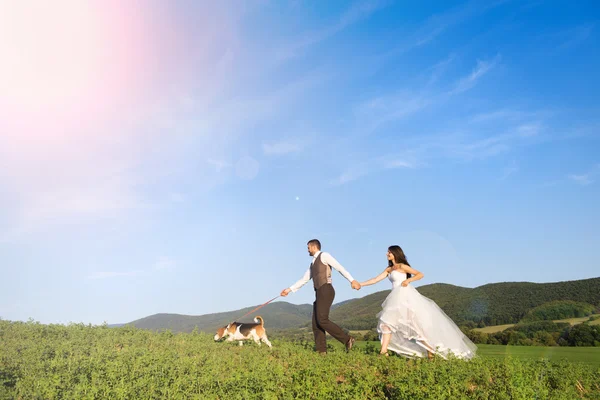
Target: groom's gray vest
[[320, 272]]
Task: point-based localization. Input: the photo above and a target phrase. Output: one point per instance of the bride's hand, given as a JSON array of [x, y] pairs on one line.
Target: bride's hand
[[405, 283]]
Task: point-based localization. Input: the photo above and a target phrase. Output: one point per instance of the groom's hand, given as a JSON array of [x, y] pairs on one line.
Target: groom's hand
[[285, 292], [355, 285]]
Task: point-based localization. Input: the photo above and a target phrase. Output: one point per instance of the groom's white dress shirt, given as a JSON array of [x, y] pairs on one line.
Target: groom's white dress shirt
[[328, 259]]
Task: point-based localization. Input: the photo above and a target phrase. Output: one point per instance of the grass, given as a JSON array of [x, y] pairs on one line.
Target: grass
[[572, 321], [586, 355], [86, 362], [494, 328]]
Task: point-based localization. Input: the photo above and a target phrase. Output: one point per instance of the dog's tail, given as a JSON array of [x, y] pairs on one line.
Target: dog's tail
[[259, 318]]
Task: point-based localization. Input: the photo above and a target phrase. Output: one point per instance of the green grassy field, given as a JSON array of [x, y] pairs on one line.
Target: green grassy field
[[494, 328], [586, 355], [572, 321], [86, 362]]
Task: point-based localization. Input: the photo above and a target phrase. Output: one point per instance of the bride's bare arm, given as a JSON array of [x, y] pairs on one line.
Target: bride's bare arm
[[416, 275], [378, 278]]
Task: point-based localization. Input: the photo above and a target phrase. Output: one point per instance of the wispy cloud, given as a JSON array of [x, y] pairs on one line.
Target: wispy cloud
[[377, 111], [482, 68], [464, 145], [575, 36], [467, 146], [583, 180], [588, 178], [282, 147], [374, 165], [380, 110], [529, 130], [508, 115], [511, 169], [351, 174], [398, 163], [437, 24], [437, 70], [357, 12]]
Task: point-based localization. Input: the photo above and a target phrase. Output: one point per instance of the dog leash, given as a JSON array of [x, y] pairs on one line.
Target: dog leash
[[257, 308]]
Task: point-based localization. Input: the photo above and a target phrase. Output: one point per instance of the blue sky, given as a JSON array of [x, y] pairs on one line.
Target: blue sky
[[224, 137]]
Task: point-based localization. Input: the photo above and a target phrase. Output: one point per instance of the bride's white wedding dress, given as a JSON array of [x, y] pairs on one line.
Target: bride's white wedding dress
[[418, 324]]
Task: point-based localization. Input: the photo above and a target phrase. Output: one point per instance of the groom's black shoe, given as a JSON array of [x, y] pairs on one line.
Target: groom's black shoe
[[349, 343]]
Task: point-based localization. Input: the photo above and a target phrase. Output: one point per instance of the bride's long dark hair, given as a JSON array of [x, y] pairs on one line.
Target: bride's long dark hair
[[399, 257]]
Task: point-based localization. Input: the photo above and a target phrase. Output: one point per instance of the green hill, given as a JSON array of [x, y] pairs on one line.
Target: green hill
[[559, 309], [492, 304], [505, 303], [278, 315]]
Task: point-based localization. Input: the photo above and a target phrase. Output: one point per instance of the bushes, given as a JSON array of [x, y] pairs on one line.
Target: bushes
[[583, 335], [371, 336], [541, 333]]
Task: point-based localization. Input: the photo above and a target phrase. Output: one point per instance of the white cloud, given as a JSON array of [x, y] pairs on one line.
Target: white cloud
[[582, 180], [508, 115], [350, 175], [482, 68], [438, 69], [377, 111], [435, 25], [587, 178], [527, 130], [356, 12], [102, 167], [396, 163], [573, 37], [358, 171], [282, 148], [510, 170]]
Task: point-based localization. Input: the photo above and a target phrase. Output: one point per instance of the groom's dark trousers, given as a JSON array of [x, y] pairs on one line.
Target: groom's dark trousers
[[320, 321]]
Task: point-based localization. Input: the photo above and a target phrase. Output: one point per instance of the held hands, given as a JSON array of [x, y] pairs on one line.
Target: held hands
[[285, 292], [355, 285]]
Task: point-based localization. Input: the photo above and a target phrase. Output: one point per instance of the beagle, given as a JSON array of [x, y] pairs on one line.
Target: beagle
[[242, 331]]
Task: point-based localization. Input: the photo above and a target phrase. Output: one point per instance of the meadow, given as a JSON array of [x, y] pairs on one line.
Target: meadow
[[572, 321], [585, 355], [96, 362]]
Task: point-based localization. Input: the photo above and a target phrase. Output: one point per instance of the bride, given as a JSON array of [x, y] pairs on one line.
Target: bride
[[410, 324]]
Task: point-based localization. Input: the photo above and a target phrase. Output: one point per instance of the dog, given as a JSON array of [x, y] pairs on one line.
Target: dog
[[243, 331]]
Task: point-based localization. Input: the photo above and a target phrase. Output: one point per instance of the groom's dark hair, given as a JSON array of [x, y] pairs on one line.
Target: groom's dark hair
[[315, 242]]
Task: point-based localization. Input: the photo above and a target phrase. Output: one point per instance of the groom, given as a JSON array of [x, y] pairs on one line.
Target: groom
[[320, 272]]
